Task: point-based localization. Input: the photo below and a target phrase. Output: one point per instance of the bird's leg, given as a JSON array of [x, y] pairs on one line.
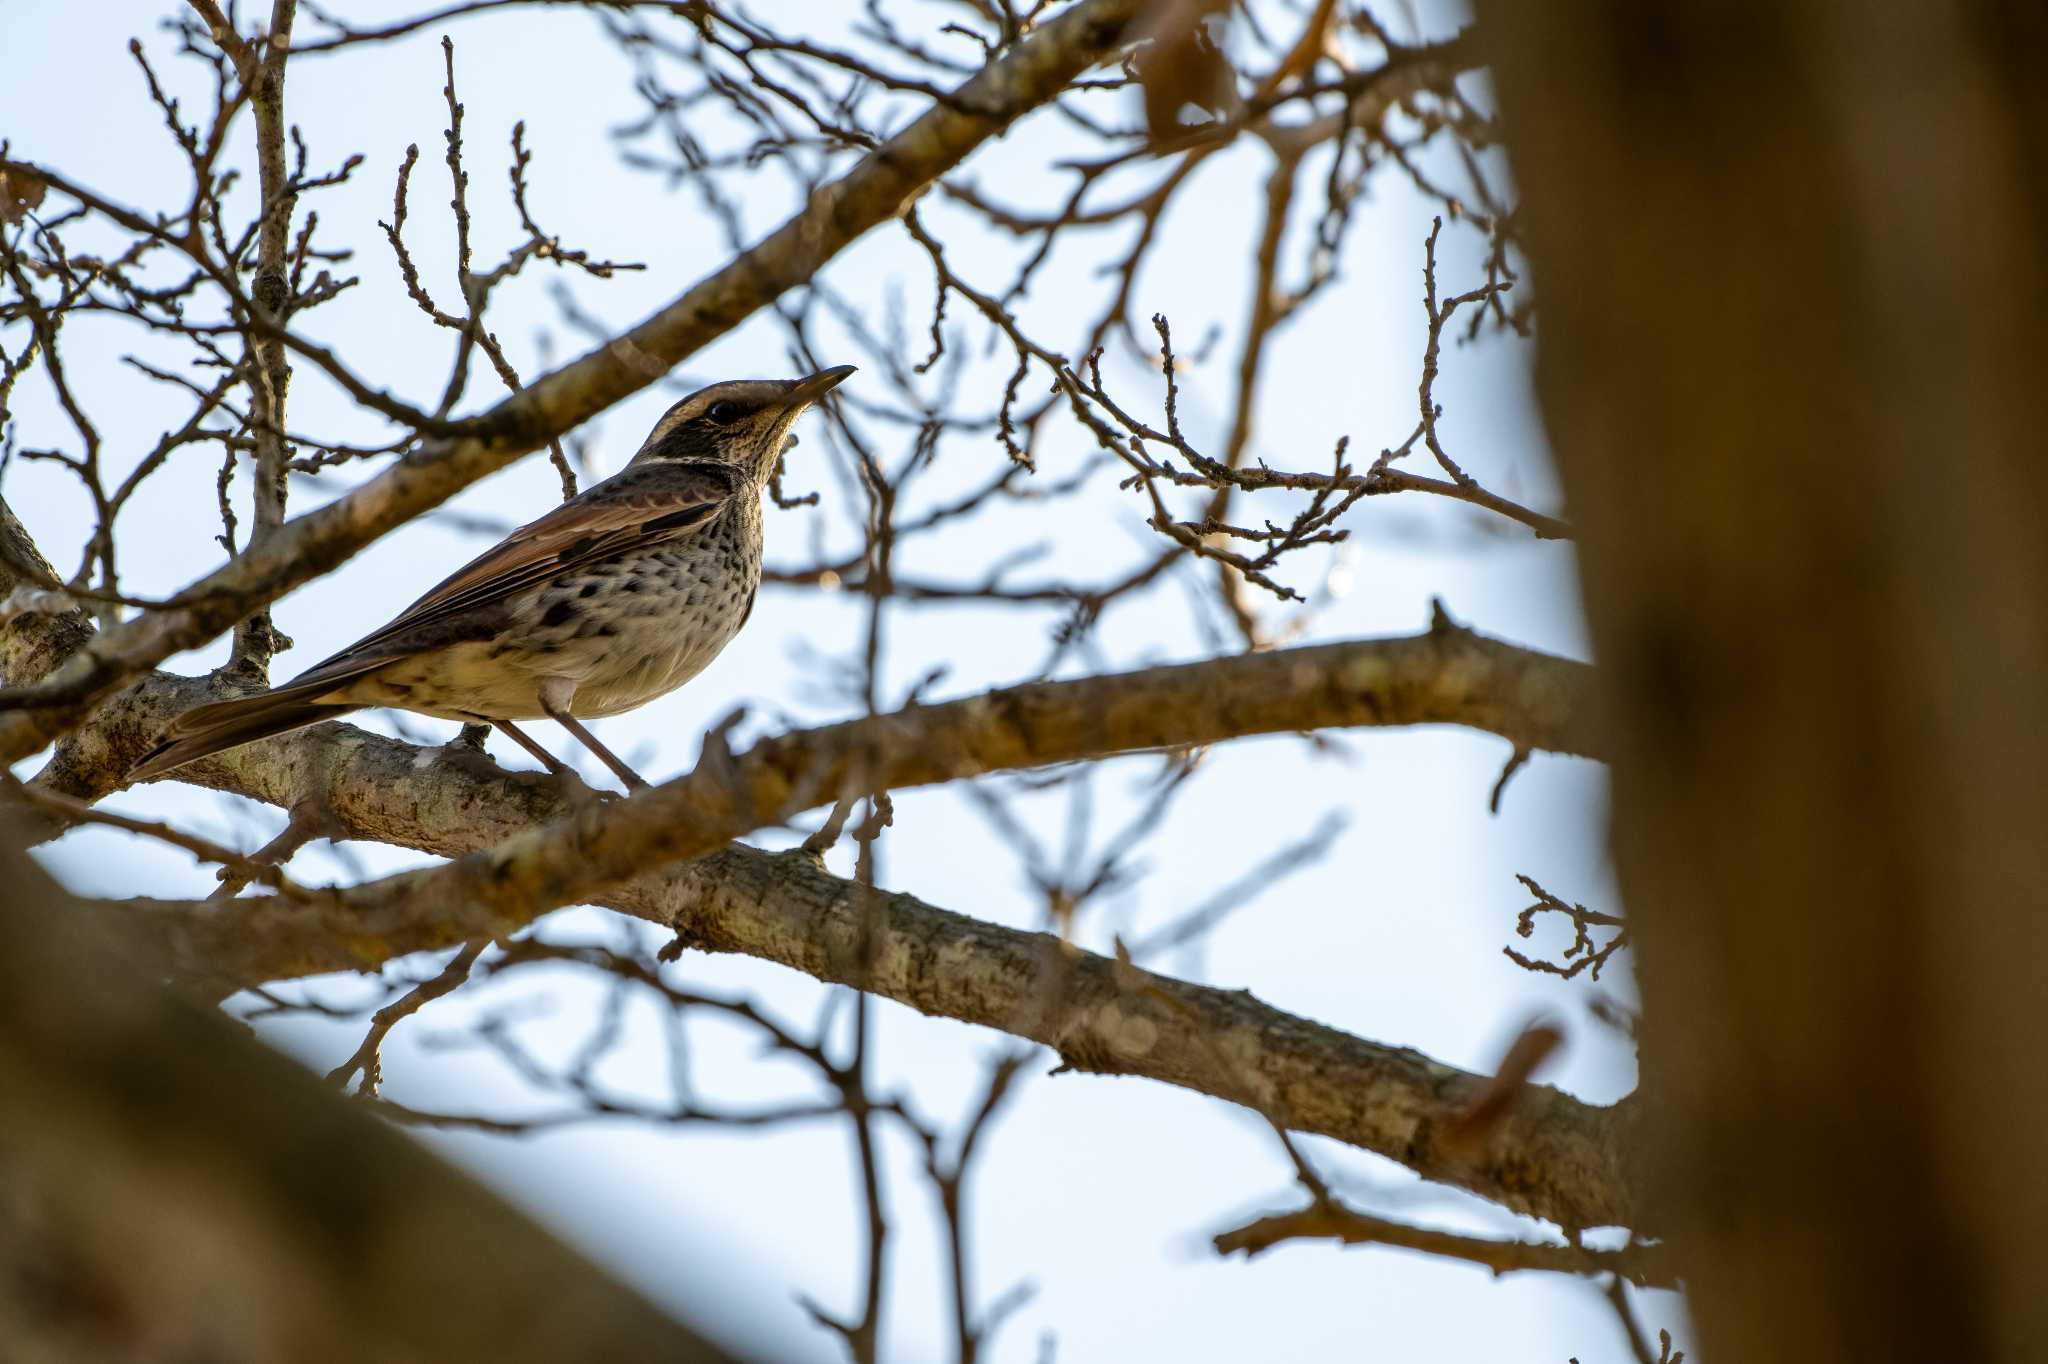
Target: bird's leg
[[467, 752], [633, 780], [555, 695], [554, 765], [577, 791]]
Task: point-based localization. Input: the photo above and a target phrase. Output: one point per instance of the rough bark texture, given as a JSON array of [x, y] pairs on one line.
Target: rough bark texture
[[1790, 264], [184, 1193], [879, 186]]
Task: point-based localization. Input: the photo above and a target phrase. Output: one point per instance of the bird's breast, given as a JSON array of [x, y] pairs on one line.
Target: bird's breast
[[653, 623]]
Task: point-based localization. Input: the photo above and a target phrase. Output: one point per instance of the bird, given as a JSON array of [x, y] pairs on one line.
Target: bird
[[617, 596]]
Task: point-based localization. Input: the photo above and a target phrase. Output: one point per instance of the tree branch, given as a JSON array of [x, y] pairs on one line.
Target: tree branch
[[1449, 675], [262, 75], [1646, 1266]]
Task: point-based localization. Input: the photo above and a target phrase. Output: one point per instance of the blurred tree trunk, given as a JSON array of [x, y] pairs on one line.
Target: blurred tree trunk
[[1791, 261], [171, 1190]]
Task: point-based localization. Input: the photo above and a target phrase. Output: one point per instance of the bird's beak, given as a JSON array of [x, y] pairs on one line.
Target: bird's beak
[[808, 391]]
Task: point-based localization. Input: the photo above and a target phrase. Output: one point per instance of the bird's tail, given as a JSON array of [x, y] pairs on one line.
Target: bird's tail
[[205, 730]]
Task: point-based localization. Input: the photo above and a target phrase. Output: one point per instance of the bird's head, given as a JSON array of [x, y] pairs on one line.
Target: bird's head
[[743, 422]]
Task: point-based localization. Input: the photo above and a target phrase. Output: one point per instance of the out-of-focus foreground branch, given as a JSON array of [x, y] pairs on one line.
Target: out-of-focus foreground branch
[[1806, 238], [180, 1191]]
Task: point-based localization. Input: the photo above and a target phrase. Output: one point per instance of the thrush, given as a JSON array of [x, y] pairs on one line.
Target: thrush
[[618, 596]]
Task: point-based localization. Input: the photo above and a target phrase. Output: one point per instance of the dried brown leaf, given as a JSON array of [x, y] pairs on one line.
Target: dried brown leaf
[[20, 191], [1178, 63]]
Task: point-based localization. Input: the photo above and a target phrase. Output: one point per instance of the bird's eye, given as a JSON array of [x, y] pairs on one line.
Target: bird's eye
[[725, 411]]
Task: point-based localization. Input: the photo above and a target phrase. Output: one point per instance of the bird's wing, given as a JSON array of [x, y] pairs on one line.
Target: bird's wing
[[638, 508]]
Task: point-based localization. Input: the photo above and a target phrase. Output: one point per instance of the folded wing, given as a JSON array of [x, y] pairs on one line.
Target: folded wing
[[640, 508]]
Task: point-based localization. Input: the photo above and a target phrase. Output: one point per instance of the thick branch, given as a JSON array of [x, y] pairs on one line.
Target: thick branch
[[1449, 675], [877, 188]]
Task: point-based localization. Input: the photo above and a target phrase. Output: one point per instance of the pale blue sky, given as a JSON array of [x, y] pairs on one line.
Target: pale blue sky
[[1101, 1191]]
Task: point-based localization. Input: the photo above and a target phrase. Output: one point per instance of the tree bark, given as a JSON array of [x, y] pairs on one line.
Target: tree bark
[[1789, 260]]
